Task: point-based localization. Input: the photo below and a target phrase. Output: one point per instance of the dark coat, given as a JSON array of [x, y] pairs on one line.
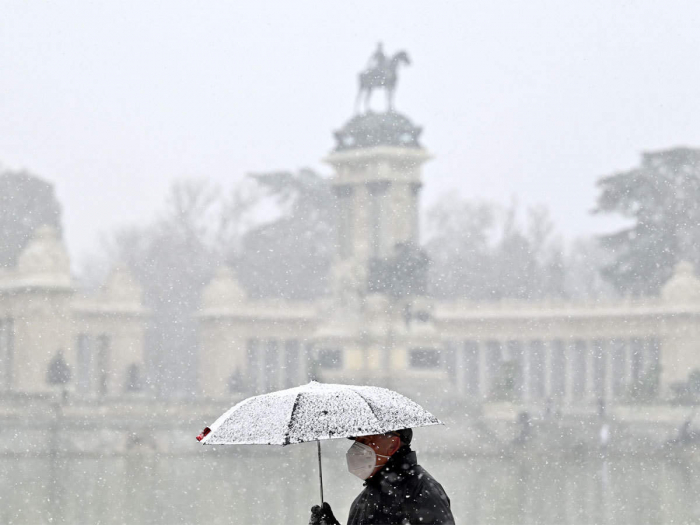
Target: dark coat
[[401, 493]]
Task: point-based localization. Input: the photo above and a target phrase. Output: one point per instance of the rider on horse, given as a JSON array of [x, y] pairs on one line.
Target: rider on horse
[[380, 74], [377, 61]]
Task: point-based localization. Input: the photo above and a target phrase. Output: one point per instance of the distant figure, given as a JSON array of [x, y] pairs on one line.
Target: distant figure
[[601, 408], [685, 433], [378, 58], [525, 429], [548, 408]]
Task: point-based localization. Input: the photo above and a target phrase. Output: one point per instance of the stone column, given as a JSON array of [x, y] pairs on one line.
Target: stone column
[[620, 367], [415, 188], [471, 374], [654, 353], [526, 372], [4, 355], [547, 372], [539, 368], [459, 364], [609, 351], [570, 353], [629, 357], [599, 370], [379, 221], [581, 371], [636, 360], [345, 227], [559, 371], [484, 380], [361, 214], [516, 356]]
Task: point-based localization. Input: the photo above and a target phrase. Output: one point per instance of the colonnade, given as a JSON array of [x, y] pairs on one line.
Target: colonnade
[[563, 370], [7, 353], [92, 364], [274, 363]]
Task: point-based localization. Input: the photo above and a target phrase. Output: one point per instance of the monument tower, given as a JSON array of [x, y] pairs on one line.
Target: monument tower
[[377, 161], [379, 315]]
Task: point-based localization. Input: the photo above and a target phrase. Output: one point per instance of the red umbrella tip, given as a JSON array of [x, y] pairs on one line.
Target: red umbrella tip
[[204, 434]]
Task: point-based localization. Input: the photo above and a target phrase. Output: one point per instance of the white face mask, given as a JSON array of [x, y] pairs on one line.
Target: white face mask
[[362, 459]]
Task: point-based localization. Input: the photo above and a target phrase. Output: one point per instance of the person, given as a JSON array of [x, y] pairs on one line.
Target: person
[[378, 59], [525, 429], [601, 408], [397, 491], [685, 432]]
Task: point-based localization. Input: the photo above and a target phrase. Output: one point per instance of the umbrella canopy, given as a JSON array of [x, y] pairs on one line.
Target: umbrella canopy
[[314, 412]]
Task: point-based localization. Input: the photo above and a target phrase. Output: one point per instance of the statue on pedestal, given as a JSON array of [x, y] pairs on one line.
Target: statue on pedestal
[[381, 73]]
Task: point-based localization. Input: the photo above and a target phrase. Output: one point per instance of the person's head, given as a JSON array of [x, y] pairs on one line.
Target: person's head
[[370, 453]]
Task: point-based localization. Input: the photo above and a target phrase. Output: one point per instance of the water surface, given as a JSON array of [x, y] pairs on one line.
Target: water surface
[[278, 485]]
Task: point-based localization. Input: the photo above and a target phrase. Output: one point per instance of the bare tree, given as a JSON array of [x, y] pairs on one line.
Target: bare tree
[[173, 259], [480, 250]]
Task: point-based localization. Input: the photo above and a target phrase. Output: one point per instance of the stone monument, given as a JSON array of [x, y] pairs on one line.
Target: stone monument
[[377, 160]]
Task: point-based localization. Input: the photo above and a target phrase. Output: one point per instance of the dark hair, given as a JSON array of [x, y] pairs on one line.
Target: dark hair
[[406, 435]]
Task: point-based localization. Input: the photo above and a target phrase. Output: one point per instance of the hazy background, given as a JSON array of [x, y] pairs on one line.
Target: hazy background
[[135, 111], [111, 102]]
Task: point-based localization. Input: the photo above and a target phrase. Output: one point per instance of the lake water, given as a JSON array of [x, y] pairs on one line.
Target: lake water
[[270, 485]]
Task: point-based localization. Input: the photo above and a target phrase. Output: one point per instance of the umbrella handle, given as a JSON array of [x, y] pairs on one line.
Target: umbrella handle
[[320, 470]]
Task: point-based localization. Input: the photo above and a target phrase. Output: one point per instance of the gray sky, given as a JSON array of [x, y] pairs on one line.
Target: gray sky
[[111, 101]]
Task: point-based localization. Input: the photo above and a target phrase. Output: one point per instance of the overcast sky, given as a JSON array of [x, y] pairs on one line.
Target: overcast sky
[[111, 101]]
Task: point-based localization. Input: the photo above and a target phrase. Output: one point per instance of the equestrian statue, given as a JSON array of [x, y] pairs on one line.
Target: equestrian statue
[[381, 72]]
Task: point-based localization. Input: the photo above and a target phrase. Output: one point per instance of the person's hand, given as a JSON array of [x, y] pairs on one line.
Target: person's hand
[[322, 515]]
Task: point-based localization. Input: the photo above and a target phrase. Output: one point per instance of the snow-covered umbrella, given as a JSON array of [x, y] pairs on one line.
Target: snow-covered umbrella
[[314, 412]]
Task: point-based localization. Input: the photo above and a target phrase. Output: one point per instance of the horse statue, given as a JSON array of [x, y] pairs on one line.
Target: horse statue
[[383, 75]]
